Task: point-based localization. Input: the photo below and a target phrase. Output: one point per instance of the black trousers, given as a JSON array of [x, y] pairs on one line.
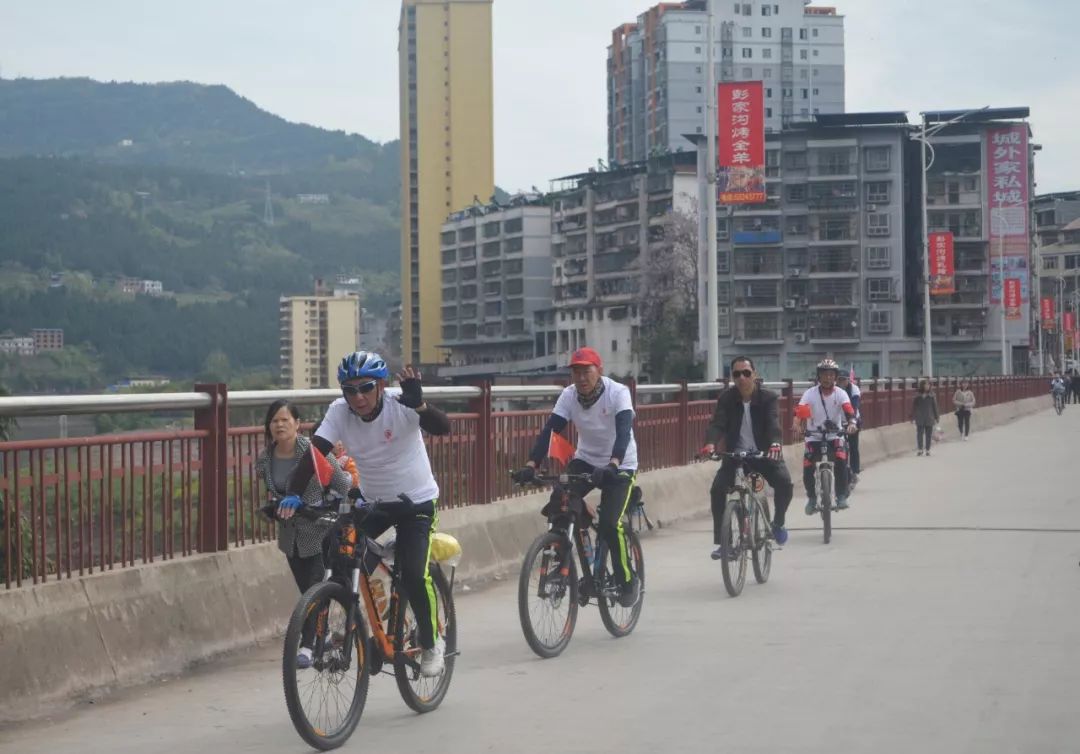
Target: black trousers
[[775, 474], [307, 572], [415, 526], [853, 453], [614, 498], [924, 436], [963, 421], [837, 454]]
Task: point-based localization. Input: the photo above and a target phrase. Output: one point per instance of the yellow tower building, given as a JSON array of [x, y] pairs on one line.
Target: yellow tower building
[[447, 148]]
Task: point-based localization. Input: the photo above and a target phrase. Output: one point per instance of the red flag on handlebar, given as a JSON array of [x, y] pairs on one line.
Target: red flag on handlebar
[[559, 448], [323, 470]]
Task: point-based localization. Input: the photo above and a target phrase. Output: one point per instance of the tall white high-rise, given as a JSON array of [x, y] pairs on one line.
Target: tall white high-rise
[[656, 68]]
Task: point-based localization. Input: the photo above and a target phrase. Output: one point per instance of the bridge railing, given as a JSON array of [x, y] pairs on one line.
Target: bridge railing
[[70, 507]]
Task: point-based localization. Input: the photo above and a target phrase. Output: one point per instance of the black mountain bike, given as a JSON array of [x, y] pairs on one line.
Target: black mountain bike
[[359, 624], [549, 590], [745, 529]]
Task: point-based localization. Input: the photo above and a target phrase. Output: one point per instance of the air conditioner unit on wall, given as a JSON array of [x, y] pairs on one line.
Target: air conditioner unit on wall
[[800, 337]]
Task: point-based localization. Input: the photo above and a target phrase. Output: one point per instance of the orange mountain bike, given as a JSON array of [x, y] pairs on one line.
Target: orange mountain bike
[[361, 620]]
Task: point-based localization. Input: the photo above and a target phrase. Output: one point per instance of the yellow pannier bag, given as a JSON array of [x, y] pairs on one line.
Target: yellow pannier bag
[[445, 549]]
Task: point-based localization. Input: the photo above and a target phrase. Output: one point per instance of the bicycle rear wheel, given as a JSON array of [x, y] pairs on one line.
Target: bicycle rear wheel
[[732, 550], [326, 701], [421, 693], [548, 594], [619, 620], [825, 495], [762, 543]]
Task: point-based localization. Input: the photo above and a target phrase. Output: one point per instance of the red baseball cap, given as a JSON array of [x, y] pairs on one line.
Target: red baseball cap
[[586, 357]]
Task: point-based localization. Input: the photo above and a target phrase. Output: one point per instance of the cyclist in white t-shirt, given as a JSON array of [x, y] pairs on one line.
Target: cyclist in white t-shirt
[[825, 415], [602, 411], [384, 438]]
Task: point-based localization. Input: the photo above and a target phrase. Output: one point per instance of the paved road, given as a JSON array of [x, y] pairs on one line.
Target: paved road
[[942, 618]]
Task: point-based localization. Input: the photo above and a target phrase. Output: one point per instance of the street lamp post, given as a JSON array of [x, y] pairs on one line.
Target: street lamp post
[[712, 318], [1002, 231], [924, 139]]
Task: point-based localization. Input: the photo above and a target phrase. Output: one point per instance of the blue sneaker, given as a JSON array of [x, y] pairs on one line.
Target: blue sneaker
[[303, 659], [842, 504], [780, 533], [811, 506]]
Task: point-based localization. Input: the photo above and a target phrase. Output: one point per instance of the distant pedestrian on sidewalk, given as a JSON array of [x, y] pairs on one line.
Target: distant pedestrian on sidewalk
[[924, 413], [964, 400]]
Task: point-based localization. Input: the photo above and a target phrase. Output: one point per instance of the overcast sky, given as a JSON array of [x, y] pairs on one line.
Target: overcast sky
[[333, 63]]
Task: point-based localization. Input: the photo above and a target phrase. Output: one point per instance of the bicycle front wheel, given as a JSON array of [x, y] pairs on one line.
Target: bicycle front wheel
[[548, 594], [732, 549], [420, 692], [326, 700], [619, 620], [825, 495], [762, 543]]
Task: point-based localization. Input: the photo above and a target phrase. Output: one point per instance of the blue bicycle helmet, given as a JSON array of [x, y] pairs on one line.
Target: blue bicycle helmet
[[362, 364]]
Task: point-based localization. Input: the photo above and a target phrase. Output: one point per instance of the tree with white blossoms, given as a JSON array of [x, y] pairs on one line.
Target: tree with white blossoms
[[669, 305]]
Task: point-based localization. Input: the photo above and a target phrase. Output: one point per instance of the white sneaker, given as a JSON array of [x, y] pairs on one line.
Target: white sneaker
[[431, 660]]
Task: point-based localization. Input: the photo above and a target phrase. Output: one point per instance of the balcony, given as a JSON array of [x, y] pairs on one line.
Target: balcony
[[824, 204], [956, 332], [961, 299], [757, 237], [758, 328], [835, 231], [756, 264], [834, 262], [833, 299], [765, 302]]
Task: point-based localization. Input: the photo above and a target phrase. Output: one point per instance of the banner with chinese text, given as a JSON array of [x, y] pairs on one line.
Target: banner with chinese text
[[1047, 311], [1070, 322], [1007, 201], [1012, 299], [740, 176], [942, 267]]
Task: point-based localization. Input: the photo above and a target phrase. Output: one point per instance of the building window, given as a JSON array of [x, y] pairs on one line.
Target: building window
[[877, 224], [796, 161], [697, 29], [698, 69], [881, 322], [766, 73], [747, 32], [816, 91], [747, 52], [802, 54], [698, 89], [803, 74], [697, 50], [513, 226], [768, 92], [815, 53], [796, 192], [815, 32], [748, 73], [768, 112], [877, 159], [877, 192], [815, 71], [746, 11], [878, 257], [767, 52], [802, 33], [766, 32], [804, 112], [738, 7], [1050, 263], [614, 346], [805, 93], [879, 289], [766, 10]]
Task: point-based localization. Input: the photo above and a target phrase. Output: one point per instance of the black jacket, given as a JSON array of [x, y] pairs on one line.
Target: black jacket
[[728, 416]]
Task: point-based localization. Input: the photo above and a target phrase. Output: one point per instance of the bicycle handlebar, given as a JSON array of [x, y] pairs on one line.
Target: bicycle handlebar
[[738, 456], [540, 480], [356, 503]]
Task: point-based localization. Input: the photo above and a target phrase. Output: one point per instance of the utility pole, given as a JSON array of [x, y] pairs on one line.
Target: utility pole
[[712, 317]]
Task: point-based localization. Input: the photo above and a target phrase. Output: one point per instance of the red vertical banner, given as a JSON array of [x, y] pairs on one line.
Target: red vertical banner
[[1007, 205], [1013, 299], [1047, 310], [740, 151], [942, 265], [1070, 322]]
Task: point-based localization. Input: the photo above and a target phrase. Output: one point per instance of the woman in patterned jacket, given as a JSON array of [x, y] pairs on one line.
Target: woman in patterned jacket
[[300, 539]]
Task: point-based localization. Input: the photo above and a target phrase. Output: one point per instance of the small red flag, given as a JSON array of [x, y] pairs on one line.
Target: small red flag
[[323, 470], [559, 448]]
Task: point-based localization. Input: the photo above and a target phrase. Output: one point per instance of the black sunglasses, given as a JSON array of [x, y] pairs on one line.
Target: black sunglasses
[[747, 373], [367, 387]]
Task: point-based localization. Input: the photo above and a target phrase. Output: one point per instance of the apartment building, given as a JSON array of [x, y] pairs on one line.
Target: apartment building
[[656, 75], [316, 332], [606, 225], [496, 274], [447, 147], [47, 339]]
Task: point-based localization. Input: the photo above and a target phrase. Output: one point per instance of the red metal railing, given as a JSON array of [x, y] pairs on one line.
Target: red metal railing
[[77, 506]]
